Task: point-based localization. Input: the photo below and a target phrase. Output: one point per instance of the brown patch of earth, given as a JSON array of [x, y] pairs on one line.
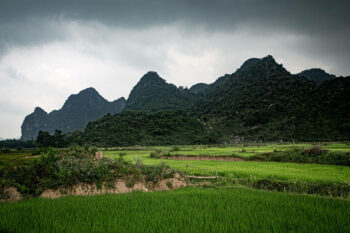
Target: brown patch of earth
[[32, 156], [117, 187], [217, 158], [11, 194]]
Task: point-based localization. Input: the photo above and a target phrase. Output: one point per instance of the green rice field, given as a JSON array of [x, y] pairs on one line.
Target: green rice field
[[185, 210], [242, 169]]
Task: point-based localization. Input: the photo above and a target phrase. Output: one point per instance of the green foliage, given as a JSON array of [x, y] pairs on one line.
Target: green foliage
[[153, 94], [93, 150], [44, 139], [76, 165], [14, 143], [312, 155], [265, 102], [138, 128], [317, 75], [152, 172]]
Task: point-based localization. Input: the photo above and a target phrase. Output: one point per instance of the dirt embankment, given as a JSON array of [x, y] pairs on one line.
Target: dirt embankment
[[217, 158], [85, 189], [10, 194]]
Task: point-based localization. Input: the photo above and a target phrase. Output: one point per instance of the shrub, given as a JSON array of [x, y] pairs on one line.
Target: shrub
[[155, 155], [66, 168], [315, 151], [93, 150]]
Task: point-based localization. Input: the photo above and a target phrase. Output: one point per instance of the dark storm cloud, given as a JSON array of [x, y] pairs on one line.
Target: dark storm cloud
[[312, 16], [23, 22]]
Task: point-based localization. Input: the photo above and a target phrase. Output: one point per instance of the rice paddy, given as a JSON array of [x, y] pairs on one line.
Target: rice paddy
[[221, 209], [186, 210], [246, 169]]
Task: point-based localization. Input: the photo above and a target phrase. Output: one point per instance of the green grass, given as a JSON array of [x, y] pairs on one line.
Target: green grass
[[240, 150], [16, 158], [186, 210], [246, 169]]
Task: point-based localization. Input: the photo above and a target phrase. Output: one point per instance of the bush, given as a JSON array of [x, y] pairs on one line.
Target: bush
[[155, 155], [66, 168], [312, 155], [93, 150], [315, 151]]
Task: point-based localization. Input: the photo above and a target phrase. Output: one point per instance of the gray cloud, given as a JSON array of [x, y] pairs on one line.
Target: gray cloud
[[50, 49], [325, 21]]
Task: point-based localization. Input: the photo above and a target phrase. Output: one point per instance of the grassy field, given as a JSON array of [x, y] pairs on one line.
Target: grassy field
[[239, 149], [246, 169], [186, 210], [16, 158]]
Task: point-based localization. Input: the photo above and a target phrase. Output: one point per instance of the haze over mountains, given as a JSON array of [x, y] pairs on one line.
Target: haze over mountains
[[260, 101]]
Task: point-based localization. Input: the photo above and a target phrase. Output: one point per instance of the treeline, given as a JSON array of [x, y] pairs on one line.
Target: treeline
[[139, 128], [131, 128], [17, 144]]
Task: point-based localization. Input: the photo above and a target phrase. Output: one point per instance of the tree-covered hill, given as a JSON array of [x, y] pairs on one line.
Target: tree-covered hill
[[260, 101], [264, 101], [139, 128], [152, 93], [317, 75]]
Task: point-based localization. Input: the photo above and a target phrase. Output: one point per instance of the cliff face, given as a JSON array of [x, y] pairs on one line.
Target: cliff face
[[77, 111]]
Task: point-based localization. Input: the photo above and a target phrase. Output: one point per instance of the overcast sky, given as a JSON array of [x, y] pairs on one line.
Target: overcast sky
[[51, 49]]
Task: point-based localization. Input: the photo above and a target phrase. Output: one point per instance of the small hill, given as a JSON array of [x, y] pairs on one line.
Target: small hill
[[130, 128], [199, 88], [152, 93], [317, 75], [77, 111]]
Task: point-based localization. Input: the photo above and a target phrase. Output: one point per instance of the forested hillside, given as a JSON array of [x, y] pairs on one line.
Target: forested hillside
[[260, 101], [139, 128], [263, 101], [152, 93]]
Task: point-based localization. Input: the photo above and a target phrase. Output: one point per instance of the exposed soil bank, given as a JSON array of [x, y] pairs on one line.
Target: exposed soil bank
[[116, 187], [217, 158], [10, 194]]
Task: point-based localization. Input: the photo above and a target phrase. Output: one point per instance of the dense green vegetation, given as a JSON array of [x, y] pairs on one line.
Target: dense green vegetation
[[186, 210], [17, 144], [317, 75], [152, 94], [263, 101], [67, 167], [312, 155], [139, 128]]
